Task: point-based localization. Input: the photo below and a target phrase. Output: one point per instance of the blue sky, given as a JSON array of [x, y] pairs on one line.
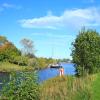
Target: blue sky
[[51, 24]]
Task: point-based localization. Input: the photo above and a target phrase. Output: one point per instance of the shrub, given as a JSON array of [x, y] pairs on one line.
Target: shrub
[[22, 86]]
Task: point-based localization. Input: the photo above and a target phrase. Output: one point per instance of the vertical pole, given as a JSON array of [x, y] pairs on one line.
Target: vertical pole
[[61, 72]]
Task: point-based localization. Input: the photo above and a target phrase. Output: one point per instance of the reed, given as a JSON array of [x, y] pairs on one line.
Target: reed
[[67, 88]]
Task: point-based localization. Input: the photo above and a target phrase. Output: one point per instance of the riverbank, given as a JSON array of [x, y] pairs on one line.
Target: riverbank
[[71, 88], [96, 87], [8, 67], [67, 88]]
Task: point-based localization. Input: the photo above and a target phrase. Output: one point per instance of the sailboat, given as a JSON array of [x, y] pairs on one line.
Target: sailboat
[[54, 64]]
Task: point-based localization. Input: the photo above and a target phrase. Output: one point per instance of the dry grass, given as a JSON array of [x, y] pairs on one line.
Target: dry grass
[[67, 88]]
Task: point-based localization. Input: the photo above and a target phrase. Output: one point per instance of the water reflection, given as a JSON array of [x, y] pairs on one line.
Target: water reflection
[[4, 78]]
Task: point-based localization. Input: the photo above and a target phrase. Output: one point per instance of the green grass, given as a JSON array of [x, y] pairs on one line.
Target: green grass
[[8, 67], [67, 88], [71, 88], [96, 88]]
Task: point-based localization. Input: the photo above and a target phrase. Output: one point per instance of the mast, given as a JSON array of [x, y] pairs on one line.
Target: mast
[[52, 51]]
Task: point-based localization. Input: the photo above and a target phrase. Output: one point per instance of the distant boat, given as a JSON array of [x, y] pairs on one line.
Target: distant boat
[[55, 66]]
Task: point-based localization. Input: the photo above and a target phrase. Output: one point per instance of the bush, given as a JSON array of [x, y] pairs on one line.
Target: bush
[[19, 60], [22, 86], [32, 62]]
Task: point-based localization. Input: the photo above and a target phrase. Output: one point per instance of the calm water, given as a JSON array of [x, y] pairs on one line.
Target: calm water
[[52, 72], [4, 78], [43, 74]]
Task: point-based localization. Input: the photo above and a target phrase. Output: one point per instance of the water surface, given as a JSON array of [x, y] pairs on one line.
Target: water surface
[[53, 72], [42, 74]]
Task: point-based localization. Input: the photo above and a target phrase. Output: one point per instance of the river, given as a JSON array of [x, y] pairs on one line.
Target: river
[[42, 74], [53, 72]]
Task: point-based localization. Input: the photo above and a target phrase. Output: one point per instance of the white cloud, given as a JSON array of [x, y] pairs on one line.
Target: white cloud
[[74, 18], [44, 22], [8, 5]]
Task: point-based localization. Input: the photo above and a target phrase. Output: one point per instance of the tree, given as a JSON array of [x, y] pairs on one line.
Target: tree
[[28, 47], [86, 52], [2, 40], [7, 50]]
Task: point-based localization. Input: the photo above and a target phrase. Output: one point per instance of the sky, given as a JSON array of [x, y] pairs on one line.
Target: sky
[[52, 24]]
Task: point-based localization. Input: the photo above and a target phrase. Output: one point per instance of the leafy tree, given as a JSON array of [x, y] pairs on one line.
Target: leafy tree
[[42, 62], [28, 47], [86, 52], [7, 50]]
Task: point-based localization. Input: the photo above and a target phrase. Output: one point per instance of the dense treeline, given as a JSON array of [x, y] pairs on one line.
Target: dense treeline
[[86, 52]]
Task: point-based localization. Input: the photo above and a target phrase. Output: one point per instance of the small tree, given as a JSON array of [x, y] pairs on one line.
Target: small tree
[[86, 52], [28, 47]]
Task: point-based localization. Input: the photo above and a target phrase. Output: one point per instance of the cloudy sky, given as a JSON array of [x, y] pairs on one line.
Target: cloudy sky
[[51, 24]]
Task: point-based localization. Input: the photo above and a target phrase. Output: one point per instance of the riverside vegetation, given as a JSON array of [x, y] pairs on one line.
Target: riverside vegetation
[[67, 88], [13, 59], [84, 86]]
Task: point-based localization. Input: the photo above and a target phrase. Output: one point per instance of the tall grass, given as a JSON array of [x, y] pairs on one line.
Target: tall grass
[[8, 67], [67, 88]]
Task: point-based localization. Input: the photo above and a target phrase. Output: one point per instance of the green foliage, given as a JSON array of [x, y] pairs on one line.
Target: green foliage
[[7, 50], [19, 60], [32, 62], [44, 62], [96, 87], [22, 86], [86, 52], [10, 67]]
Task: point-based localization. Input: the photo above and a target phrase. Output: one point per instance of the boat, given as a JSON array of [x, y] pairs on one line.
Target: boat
[[55, 66]]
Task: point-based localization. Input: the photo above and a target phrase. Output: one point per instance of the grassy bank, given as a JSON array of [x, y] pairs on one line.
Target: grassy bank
[[67, 88], [8, 67], [96, 88]]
